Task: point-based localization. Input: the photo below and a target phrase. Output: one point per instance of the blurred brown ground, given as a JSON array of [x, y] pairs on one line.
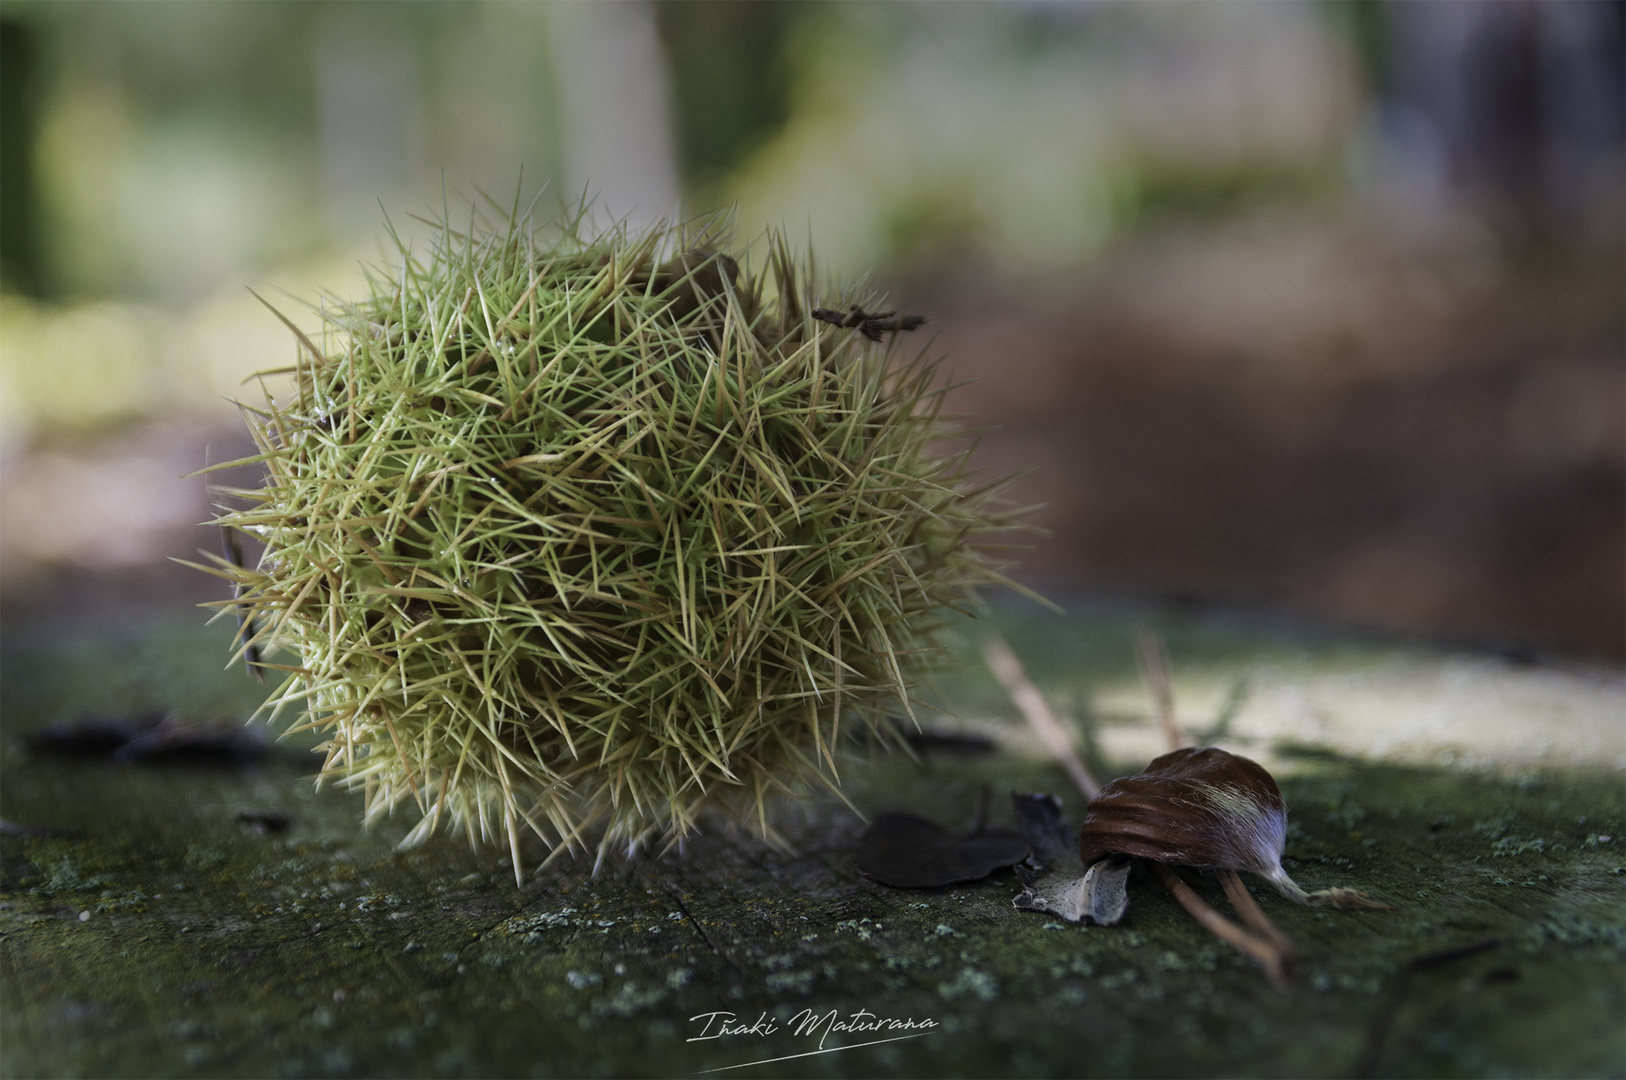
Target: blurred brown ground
[[1308, 413], [1296, 409]]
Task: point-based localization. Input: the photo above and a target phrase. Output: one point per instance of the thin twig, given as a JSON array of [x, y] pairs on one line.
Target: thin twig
[[1400, 987], [1154, 668], [1247, 907], [1267, 939], [1264, 952], [1271, 948], [1008, 670]]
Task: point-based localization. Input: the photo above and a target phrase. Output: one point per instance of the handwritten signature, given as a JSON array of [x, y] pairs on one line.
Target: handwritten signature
[[806, 1024]]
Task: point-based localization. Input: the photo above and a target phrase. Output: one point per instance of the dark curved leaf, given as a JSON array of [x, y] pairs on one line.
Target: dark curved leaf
[[910, 852]]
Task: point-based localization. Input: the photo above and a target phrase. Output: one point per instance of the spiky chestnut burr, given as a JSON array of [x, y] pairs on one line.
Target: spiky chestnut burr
[[577, 533]]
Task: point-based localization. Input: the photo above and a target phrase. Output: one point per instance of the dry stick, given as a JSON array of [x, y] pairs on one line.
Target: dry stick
[[1155, 670], [1266, 953], [1272, 948], [1247, 907], [1008, 670]]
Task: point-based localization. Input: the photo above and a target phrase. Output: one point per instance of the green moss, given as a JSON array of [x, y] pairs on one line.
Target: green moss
[[211, 950]]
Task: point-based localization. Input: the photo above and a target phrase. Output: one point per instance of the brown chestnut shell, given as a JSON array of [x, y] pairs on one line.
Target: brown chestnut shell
[[1206, 808]]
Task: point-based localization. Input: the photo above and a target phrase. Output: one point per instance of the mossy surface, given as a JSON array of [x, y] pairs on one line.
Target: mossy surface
[[166, 938]]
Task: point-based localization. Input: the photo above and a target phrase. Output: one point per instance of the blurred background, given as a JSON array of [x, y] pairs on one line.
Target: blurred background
[[1305, 306]]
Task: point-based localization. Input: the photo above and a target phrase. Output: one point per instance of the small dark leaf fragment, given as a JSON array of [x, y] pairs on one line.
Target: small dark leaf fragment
[[16, 829], [925, 740], [941, 742], [152, 739], [265, 822], [93, 737], [910, 852], [189, 744], [1430, 961], [1042, 826]]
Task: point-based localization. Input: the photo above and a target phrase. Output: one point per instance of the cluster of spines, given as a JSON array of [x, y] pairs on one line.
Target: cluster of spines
[[586, 531]]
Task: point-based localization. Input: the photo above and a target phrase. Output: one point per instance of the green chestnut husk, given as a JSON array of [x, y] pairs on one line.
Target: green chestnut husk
[[584, 535]]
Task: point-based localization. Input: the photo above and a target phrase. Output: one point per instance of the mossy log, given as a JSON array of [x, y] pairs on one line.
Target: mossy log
[[148, 929]]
